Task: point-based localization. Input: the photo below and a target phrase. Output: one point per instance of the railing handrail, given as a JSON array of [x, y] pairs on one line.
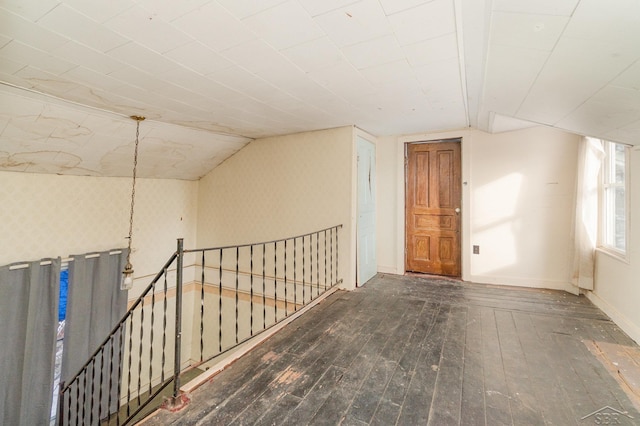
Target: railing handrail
[[116, 335], [262, 242]]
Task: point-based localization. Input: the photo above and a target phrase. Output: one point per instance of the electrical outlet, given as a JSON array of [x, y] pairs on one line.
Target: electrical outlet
[[476, 249]]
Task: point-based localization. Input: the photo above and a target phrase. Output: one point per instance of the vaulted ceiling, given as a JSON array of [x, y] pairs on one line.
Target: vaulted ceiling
[[210, 75]]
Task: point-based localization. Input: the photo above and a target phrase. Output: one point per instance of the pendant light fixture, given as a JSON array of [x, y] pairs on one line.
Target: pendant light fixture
[[127, 279]]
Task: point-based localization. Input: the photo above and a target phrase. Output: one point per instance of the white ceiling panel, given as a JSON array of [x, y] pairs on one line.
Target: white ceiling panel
[[214, 26], [244, 8], [4, 40], [199, 58], [424, 22], [315, 7], [431, 51], [538, 7], [610, 109], [92, 78], [26, 54], [613, 21], [392, 71], [315, 54], [526, 30], [445, 73], [510, 73], [343, 80], [154, 33], [30, 9], [575, 71], [501, 123], [72, 24], [395, 6], [254, 55], [101, 11], [626, 134], [256, 68], [358, 22], [373, 52], [247, 81], [9, 66], [629, 78], [21, 29], [168, 10], [284, 25], [134, 55], [77, 53]]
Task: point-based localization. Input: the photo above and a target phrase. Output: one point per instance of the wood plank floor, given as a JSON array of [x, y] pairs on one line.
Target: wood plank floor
[[415, 350]]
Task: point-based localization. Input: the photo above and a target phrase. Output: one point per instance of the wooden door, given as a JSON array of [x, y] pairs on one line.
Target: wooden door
[[432, 216]]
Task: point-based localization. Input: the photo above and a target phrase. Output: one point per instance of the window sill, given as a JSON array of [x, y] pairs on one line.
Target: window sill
[[615, 254]]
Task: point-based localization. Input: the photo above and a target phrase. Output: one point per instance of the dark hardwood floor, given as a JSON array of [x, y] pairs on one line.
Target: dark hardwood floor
[[415, 350]]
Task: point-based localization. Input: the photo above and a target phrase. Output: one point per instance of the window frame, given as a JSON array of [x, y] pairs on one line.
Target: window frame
[[607, 210]]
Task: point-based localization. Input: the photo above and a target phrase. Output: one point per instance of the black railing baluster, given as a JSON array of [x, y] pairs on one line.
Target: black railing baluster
[[140, 348], [251, 291], [325, 260], [337, 256], [275, 282], [122, 326], [78, 398], [317, 263], [153, 307], [100, 386], [129, 366], [331, 249], [311, 265], [304, 262], [237, 287], [90, 396], [295, 276], [202, 309], [164, 325], [110, 383], [286, 307], [220, 304], [264, 287]]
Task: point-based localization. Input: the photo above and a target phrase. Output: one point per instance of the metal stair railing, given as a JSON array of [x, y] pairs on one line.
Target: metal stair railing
[[240, 292]]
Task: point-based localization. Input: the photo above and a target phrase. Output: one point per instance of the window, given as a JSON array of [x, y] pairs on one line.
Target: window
[[614, 205]]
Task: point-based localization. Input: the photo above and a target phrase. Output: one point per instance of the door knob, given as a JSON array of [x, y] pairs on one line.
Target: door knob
[[457, 210]]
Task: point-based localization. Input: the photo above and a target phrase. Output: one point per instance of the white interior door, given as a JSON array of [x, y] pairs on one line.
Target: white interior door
[[366, 249]]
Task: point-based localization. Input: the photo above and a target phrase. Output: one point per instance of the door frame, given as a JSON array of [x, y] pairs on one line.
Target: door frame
[[465, 137]]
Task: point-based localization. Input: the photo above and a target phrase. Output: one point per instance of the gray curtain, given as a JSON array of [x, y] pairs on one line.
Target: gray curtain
[[95, 304], [28, 325]]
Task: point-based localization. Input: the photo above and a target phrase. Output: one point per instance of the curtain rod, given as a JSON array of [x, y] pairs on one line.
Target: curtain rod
[[63, 261]]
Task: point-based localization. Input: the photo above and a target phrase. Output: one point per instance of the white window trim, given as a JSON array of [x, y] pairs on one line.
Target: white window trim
[[609, 250]]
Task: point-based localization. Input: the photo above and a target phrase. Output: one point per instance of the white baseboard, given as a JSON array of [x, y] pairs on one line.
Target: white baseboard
[[387, 269], [616, 316], [525, 282]]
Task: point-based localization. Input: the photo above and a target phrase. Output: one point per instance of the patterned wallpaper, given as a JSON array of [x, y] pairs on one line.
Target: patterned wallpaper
[[51, 215], [280, 187], [273, 188]]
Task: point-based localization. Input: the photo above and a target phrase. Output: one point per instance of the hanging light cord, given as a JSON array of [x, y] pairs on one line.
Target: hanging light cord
[[133, 185]]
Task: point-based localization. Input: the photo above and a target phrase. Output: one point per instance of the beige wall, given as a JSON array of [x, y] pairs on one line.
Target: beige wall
[[280, 187], [51, 215], [517, 205], [617, 282]]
